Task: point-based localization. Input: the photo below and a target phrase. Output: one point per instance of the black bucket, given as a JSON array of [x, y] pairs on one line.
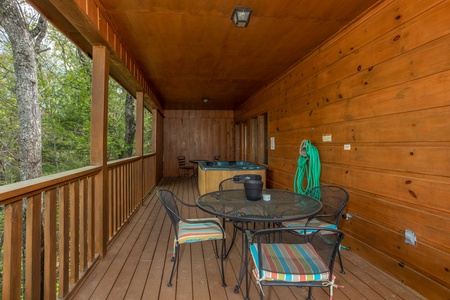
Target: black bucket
[[253, 189]]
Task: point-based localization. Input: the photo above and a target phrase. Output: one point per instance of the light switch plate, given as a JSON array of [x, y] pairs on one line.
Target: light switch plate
[[410, 237], [327, 137], [272, 143]]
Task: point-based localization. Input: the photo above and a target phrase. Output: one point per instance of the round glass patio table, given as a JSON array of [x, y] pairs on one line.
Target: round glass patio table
[[282, 206]]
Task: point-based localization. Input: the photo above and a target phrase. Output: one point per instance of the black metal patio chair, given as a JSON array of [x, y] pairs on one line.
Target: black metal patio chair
[[191, 230], [333, 199], [298, 256]]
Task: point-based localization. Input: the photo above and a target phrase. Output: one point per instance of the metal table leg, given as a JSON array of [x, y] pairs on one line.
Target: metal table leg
[[244, 263]]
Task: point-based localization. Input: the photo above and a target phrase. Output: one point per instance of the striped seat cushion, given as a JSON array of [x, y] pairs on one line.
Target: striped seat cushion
[[289, 262], [198, 232], [312, 223]]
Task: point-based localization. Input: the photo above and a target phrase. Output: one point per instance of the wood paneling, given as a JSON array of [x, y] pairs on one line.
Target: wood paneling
[[209, 180], [380, 86], [198, 134], [189, 50]]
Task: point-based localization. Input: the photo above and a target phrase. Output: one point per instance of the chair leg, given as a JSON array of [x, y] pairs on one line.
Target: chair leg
[[309, 293], [222, 257], [224, 249], [340, 260], [174, 261], [216, 250]]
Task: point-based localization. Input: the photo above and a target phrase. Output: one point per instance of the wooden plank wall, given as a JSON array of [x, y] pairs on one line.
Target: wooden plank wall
[[381, 86], [197, 134]]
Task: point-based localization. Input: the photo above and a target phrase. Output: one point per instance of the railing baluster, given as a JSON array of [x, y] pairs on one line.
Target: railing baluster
[[12, 250], [74, 231], [110, 203], [33, 247], [83, 224], [50, 245], [90, 220], [122, 194], [63, 240]]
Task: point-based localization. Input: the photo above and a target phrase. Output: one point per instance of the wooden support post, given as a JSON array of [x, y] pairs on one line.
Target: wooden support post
[[155, 128], [261, 139], [139, 188], [156, 137], [99, 126]]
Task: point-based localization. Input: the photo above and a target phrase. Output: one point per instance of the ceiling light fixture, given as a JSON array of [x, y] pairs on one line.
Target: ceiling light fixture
[[241, 16]]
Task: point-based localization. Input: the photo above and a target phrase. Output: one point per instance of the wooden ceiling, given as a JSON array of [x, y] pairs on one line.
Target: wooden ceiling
[[189, 50]]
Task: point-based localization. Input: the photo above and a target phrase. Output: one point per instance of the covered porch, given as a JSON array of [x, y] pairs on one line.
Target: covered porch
[[137, 264], [373, 98]]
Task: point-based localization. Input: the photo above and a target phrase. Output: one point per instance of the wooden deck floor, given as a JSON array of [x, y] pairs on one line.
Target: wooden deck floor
[[137, 265]]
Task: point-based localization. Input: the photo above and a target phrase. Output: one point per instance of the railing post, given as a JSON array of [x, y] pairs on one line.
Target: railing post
[[140, 145], [99, 126]]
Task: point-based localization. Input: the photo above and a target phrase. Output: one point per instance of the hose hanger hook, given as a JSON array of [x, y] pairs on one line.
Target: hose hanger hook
[[303, 151]]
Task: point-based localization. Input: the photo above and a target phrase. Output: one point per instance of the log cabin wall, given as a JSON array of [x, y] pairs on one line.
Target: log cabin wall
[[197, 134], [381, 86]]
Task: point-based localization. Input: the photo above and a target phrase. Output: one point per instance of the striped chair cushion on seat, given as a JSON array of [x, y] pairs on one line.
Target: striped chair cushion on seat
[[198, 232], [289, 262], [312, 223]]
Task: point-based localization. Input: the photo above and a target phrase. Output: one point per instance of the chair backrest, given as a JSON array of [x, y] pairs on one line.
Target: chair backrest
[[181, 161], [236, 182], [333, 199], [317, 249], [169, 201]]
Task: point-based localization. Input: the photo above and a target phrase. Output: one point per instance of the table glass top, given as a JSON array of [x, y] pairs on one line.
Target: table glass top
[[282, 206]]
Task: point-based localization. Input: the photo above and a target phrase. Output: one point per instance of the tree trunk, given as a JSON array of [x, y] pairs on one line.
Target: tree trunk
[[130, 126], [25, 44], [24, 52]]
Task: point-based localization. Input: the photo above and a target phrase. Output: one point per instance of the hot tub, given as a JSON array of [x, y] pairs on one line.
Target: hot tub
[[211, 173]]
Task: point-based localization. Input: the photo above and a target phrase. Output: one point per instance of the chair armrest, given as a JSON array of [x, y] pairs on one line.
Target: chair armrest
[[185, 203]]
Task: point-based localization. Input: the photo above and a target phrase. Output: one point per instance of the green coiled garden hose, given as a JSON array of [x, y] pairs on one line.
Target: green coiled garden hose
[[309, 166]]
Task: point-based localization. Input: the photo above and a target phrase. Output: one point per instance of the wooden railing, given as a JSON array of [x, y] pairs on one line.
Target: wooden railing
[[149, 172], [49, 226], [123, 176]]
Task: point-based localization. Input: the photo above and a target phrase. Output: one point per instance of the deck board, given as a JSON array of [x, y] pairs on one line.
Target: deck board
[[137, 265]]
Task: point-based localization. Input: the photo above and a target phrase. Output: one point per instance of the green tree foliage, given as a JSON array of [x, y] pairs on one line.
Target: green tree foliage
[[64, 81], [65, 94], [9, 123], [148, 127], [117, 141]]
